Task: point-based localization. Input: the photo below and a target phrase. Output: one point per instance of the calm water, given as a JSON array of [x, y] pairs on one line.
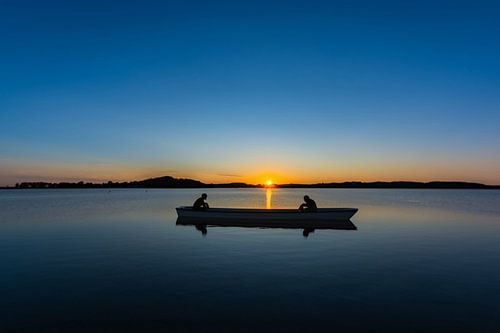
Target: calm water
[[93, 260]]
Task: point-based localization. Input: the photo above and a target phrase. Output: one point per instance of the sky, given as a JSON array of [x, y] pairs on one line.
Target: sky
[[229, 91]]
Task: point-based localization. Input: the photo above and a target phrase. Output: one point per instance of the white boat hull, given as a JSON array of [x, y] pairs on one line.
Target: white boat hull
[[322, 218]]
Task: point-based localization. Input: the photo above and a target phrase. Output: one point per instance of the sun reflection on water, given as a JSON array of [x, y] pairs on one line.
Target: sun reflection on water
[[269, 195]]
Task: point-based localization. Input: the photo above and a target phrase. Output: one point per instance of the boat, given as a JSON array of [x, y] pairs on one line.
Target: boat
[[323, 218]]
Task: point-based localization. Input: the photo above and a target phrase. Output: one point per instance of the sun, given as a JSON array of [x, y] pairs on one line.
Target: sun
[[269, 182]]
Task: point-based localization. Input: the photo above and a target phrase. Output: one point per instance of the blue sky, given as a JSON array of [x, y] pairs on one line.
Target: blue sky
[[299, 91]]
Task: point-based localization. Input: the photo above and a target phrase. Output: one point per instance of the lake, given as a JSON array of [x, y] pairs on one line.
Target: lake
[[95, 260]]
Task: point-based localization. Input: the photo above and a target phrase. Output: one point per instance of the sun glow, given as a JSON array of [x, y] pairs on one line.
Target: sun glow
[[269, 183]]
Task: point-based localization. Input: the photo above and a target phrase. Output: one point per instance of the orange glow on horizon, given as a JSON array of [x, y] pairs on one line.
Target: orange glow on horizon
[[268, 175]]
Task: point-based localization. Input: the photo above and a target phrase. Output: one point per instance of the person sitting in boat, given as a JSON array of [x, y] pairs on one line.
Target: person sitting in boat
[[200, 203], [309, 205]]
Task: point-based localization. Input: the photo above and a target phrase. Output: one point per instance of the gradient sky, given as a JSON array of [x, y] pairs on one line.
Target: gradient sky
[[222, 91]]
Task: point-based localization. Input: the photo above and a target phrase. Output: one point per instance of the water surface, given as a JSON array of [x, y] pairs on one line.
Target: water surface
[[98, 260]]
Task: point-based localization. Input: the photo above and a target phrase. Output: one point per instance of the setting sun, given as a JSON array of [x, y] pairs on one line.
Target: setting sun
[[269, 182]]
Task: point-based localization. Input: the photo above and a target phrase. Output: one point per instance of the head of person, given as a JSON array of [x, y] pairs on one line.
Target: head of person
[[204, 196], [306, 198]]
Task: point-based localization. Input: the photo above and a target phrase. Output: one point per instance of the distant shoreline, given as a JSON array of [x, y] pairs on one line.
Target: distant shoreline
[[170, 182]]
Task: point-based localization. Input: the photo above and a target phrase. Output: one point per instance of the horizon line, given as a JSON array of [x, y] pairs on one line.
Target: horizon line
[[109, 182]]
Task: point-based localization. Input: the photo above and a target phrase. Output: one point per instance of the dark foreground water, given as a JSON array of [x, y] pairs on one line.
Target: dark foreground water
[[93, 260]]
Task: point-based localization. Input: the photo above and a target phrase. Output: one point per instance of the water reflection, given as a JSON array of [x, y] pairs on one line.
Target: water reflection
[[269, 196], [308, 227], [306, 232], [202, 228], [120, 253]]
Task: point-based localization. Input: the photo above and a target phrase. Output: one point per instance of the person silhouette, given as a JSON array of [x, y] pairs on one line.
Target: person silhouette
[[200, 203], [309, 205]]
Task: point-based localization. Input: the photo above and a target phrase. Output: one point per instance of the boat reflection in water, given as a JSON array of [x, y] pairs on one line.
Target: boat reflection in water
[[308, 227]]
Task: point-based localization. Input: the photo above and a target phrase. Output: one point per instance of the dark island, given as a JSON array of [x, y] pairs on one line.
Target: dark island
[[171, 182]]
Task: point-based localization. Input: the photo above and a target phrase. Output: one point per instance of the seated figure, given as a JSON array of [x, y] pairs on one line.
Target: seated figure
[[200, 203], [309, 205]]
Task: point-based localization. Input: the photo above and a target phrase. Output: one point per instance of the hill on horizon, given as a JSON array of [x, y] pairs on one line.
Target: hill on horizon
[[171, 182]]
